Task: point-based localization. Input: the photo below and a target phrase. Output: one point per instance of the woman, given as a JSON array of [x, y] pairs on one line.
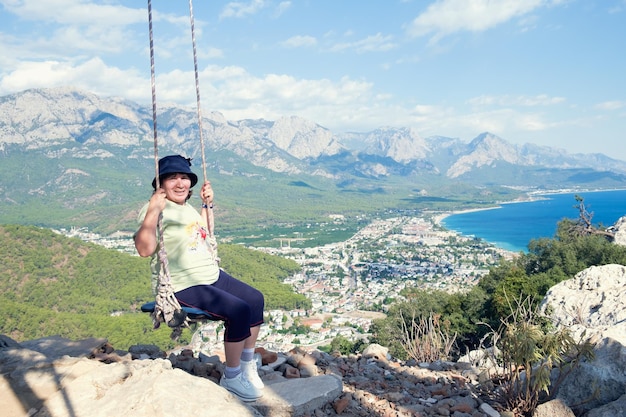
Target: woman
[[195, 274]]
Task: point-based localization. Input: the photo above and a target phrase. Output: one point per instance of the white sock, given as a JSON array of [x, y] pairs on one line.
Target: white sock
[[232, 372], [247, 354]]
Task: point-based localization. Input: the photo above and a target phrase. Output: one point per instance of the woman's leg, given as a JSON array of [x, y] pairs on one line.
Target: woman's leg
[[250, 342], [232, 351], [238, 304]]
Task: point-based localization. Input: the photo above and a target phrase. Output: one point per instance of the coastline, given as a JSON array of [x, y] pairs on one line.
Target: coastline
[[437, 219], [531, 196], [513, 228]]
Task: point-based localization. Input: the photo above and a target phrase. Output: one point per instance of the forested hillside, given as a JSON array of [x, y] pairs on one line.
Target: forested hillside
[[54, 285]]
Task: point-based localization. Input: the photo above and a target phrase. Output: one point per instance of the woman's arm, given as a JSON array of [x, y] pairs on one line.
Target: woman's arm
[[206, 195], [146, 236]]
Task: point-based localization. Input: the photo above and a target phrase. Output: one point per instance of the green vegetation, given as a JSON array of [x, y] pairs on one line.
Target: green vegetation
[[344, 346], [470, 315], [54, 285], [264, 272], [59, 187], [531, 349]]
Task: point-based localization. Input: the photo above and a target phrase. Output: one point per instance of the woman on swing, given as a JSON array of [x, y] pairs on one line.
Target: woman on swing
[[195, 274]]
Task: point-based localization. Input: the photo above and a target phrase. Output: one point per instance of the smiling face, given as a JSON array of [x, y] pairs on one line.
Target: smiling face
[[176, 187]]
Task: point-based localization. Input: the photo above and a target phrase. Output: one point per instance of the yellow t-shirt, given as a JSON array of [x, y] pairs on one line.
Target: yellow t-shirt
[[187, 246]]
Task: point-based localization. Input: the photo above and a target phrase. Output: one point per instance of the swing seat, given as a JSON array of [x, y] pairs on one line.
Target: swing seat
[[193, 314]]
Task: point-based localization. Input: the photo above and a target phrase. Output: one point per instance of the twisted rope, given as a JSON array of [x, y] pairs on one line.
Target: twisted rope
[[167, 308], [210, 221]]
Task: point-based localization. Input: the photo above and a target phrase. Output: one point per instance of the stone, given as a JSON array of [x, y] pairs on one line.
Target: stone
[[377, 352], [341, 404], [553, 408], [597, 382], [612, 409], [56, 346], [267, 357], [489, 410], [291, 372], [593, 304], [619, 228]]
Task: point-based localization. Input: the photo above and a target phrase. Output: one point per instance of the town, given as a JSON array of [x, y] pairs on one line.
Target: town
[[352, 283]]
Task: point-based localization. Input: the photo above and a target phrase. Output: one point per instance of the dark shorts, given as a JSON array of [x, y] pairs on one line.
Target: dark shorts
[[238, 304]]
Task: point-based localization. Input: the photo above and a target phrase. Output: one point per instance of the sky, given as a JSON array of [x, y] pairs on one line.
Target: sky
[[547, 72]]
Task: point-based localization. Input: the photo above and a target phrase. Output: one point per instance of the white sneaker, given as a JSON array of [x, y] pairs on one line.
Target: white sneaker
[[241, 387], [251, 373]]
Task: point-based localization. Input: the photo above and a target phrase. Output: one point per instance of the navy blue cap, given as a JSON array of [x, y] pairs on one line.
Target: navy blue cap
[[175, 164]]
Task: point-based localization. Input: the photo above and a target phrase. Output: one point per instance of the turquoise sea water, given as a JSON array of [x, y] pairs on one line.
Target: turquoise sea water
[[512, 226]]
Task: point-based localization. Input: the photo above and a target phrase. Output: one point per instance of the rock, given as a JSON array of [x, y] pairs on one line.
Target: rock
[[37, 385], [597, 382], [291, 372], [554, 408], [7, 342], [593, 303], [266, 356], [619, 228], [612, 409], [146, 352], [376, 351], [363, 385], [296, 397], [139, 389], [55, 346], [341, 404], [489, 410], [481, 357]]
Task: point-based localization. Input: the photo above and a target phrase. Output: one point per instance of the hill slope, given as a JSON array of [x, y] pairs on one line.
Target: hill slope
[[52, 284]]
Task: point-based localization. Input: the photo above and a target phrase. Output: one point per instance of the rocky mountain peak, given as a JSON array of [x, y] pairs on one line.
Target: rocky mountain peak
[[41, 118], [486, 149], [402, 145], [303, 138]]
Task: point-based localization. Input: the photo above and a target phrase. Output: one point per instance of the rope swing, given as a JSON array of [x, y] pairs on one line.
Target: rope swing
[[209, 220], [167, 309]]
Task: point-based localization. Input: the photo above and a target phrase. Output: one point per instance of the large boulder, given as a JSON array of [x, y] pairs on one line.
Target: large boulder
[[593, 304], [39, 378], [36, 385]]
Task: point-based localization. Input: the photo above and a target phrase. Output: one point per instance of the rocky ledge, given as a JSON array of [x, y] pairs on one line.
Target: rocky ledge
[[57, 377]]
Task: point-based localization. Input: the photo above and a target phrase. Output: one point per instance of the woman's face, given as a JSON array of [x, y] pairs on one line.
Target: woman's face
[[176, 187]]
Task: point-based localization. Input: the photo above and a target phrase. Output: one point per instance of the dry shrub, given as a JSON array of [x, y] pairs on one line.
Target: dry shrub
[[426, 339]]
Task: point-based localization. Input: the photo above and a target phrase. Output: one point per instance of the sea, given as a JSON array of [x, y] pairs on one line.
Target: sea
[[512, 226]]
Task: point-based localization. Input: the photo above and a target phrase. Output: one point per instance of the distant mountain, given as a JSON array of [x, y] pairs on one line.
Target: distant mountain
[[41, 118], [45, 133]]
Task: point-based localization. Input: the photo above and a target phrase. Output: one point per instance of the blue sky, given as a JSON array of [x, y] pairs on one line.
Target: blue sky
[[548, 72]]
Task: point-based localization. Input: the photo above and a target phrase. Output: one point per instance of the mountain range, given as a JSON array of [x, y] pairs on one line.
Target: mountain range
[[62, 144]]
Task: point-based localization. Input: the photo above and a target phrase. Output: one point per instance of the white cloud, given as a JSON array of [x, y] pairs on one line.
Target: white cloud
[[299, 41], [445, 17], [506, 100], [282, 7], [611, 105], [75, 12], [240, 9], [92, 75], [373, 43], [66, 27]]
